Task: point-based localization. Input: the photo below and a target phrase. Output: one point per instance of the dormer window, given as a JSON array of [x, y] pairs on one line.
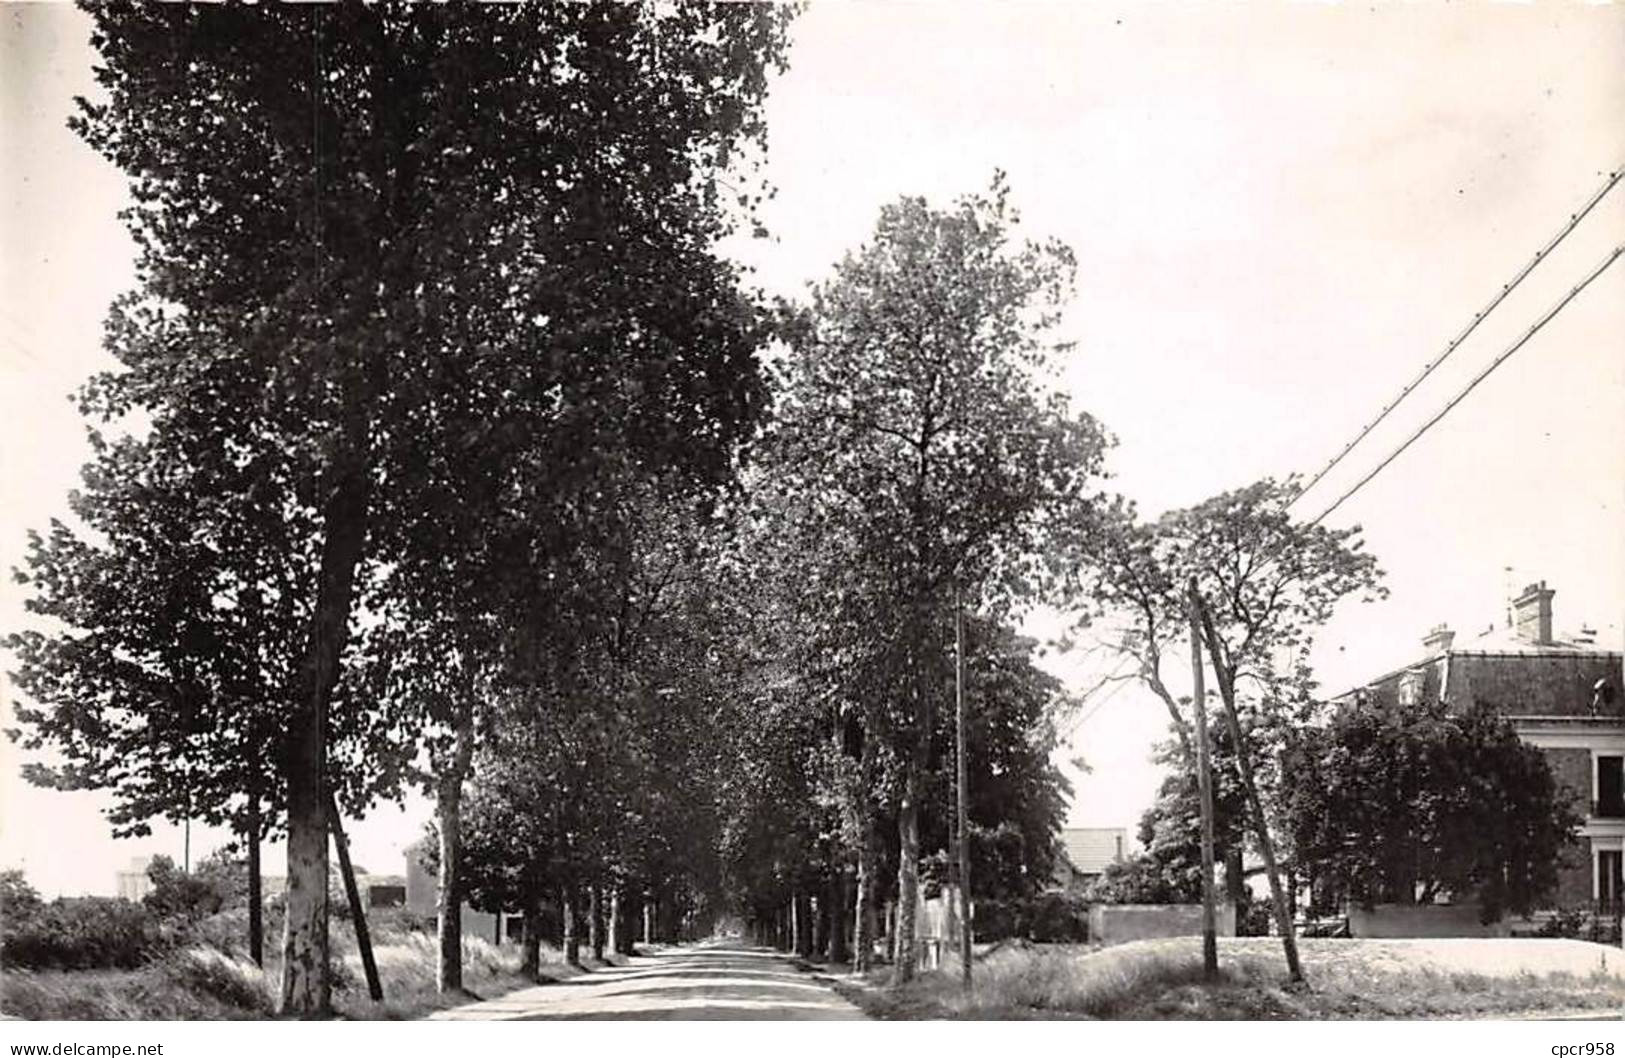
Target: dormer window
[[1410, 688]]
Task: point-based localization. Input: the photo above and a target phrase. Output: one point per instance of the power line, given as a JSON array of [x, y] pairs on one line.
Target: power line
[[1077, 725], [1481, 376], [1428, 369]]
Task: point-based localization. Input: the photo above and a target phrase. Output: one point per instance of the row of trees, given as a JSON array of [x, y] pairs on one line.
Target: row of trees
[[426, 466], [447, 453], [427, 322]]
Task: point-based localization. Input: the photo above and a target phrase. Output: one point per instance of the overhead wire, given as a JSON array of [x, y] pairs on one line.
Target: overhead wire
[[1481, 376], [1573, 222]]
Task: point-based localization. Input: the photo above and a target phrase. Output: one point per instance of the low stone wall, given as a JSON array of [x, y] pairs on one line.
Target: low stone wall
[[1111, 923], [1424, 920]]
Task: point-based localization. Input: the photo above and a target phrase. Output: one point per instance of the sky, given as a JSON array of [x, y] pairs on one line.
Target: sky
[[1280, 213]]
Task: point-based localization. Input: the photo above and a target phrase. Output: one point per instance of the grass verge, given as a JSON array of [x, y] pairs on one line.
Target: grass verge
[[203, 983], [1156, 980]]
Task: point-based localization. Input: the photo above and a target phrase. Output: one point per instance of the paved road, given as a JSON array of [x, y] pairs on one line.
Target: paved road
[[711, 981]]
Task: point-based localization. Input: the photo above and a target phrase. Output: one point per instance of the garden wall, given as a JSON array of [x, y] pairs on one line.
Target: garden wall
[[1423, 920], [1111, 923]]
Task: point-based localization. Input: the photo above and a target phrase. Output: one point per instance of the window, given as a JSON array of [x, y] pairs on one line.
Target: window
[[1610, 876], [1610, 788]]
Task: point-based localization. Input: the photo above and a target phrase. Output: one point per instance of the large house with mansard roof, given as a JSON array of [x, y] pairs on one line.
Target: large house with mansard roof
[[1563, 696]]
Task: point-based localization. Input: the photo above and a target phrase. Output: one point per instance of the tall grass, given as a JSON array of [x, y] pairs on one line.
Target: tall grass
[[1163, 979], [1059, 980], [205, 983]]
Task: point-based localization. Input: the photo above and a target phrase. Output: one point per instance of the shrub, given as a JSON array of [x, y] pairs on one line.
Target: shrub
[[180, 896], [18, 899], [994, 920], [234, 982], [1050, 918], [85, 933], [1058, 918]]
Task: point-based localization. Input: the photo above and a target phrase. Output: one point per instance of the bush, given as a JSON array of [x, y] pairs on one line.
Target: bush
[[86, 933], [1049, 918], [183, 897], [234, 982], [1058, 918], [994, 920], [18, 900]]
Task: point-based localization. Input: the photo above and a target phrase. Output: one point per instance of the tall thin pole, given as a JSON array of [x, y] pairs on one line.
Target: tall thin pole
[[1204, 786], [959, 755], [352, 893]]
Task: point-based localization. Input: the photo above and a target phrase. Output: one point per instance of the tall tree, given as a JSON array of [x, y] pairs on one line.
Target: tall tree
[[488, 250], [1264, 583], [163, 670], [914, 407]]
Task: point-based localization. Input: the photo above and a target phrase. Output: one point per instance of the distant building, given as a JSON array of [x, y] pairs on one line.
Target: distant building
[[421, 893], [1086, 852], [384, 890], [1562, 696], [133, 884]]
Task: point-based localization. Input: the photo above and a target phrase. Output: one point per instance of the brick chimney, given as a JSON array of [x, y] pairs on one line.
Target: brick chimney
[[1532, 614], [1438, 639]]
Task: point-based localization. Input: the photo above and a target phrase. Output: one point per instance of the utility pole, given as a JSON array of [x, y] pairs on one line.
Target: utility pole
[[959, 763], [1204, 785], [1227, 694]]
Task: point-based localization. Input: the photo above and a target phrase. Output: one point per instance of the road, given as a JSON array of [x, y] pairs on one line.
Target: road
[[716, 980]]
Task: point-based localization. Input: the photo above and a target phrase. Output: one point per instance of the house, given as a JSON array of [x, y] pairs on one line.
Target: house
[[133, 884], [1085, 852], [1562, 696], [422, 896], [382, 891]]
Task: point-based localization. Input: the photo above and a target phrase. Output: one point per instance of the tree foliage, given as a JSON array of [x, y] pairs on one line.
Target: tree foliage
[[1417, 803]]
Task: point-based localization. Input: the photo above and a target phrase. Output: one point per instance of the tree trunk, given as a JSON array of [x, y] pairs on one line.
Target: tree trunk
[[449, 972], [648, 918], [821, 923], [629, 920], [358, 912], [617, 921], [306, 987], [595, 923], [450, 811], [835, 934], [863, 915], [804, 925], [256, 896], [908, 874], [572, 936], [530, 934], [1255, 808]]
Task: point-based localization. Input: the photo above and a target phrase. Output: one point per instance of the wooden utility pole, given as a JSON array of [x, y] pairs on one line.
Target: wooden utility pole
[[1227, 694], [959, 764], [1204, 786], [358, 913]]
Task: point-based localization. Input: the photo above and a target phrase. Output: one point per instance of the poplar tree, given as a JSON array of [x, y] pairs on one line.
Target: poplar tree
[[448, 255]]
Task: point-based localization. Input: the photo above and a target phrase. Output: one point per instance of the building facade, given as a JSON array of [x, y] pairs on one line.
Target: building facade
[[1562, 696]]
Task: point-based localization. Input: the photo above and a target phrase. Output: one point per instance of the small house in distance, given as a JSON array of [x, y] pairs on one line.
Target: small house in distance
[[420, 891], [133, 884], [1085, 852]]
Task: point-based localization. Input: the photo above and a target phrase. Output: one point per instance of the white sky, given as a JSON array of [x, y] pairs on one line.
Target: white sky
[[1280, 213]]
